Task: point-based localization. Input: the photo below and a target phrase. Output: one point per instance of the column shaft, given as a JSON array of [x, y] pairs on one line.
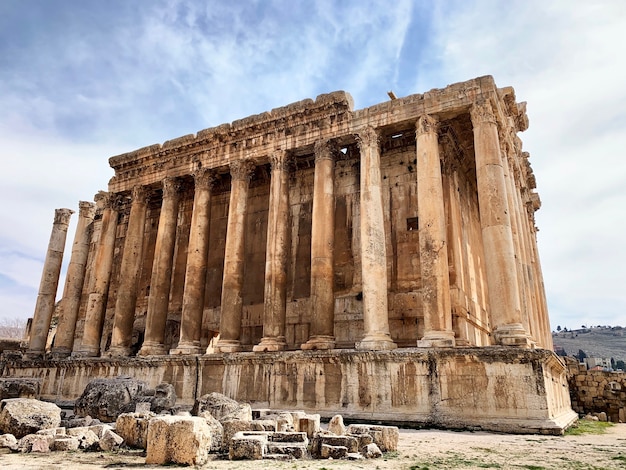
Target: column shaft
[[74, 280], [232, 302], [432, 239], [373, 248], [275, 295], [504, 302], [130, 270], [196, 271], [322, 333], [103, 262], [161, 280], [44, 307]]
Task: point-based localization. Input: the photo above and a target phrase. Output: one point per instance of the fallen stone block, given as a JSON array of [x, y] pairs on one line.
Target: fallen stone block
[[19, 388], [106, 399], [178, 440], [23, 416], [261, 413], [8, 441], [247, 446], [60, 431], [217, 431], [336, 425], [232, 427], [289, 437], [310, 424], [372, 451], [88, 440], [349, 442], [295, 418], [216, 404], [293, 449], [110, 441], [133, 428], [35, 443], [263, 425], [243, 412], [333, 452], [385, 437], [62, 443]]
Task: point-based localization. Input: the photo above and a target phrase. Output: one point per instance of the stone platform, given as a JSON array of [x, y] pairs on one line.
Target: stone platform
[[493, 388]]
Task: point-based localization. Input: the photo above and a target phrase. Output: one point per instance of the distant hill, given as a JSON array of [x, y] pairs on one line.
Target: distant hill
[[600, 341]]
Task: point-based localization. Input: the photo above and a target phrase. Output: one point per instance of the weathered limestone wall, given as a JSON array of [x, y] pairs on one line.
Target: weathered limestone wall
[[597, 391], [500, 389]]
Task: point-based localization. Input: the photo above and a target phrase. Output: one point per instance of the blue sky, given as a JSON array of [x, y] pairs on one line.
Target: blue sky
[[81, 81]]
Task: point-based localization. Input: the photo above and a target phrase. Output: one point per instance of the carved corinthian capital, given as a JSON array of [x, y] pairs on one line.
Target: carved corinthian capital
[[280, 160], [140, 194], [367, 137], [86, 209], [324, 150], [171, 187], [62, 216], [482, 113], [204, 178], [426, 124], [242, 170]]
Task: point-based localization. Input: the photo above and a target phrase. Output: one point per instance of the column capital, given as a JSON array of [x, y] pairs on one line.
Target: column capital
[[140, 194], [426, 124], [86, 209], [242, 169], [204, 178], [481, 112], [280, 160], [324, 150], [367, 137], [62, 216], [171, 187]]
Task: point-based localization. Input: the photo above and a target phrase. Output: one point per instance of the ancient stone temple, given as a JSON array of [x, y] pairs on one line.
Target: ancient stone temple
[[381, 262]]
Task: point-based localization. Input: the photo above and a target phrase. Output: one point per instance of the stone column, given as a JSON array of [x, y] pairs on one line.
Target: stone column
[[432, 239], [232, 302], [103, 262], [322, 333], [373, 249], [161, 280], [504, 302], [196, 270], [73, 289], [130, 270], [44, 307], [275, 295]]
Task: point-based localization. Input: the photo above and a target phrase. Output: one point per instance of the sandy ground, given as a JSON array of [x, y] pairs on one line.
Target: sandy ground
[[417, 450]]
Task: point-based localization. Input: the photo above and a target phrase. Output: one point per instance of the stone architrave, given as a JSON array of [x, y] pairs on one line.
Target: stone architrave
[[196, 271], [103, 262], [161, 280], [232, 302], [44, 307], [373, 250], [322, 332], [74, 279], [130, 270], [432, 238], [275, 295], [504, 302]]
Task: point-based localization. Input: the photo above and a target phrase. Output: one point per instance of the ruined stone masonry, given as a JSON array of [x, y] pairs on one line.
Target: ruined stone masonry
[[326, 238]]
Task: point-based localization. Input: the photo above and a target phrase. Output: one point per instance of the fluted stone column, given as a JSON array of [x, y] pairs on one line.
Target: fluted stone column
[[432, 239], [74, 280], [130, 270], [275, 294], [161, 280], [196, 271], [232, 302], [44, 307], [103, 262], [322, 332], [373, 249], [504, 302]]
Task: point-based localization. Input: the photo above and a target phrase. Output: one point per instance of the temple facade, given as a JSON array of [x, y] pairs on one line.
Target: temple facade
[[312, 226]]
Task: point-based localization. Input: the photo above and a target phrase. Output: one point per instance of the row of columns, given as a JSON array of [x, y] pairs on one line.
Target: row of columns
[[497, 234]]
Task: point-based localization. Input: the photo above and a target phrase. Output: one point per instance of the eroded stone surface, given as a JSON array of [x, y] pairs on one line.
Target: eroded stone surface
[[22, 416], [178, 440]]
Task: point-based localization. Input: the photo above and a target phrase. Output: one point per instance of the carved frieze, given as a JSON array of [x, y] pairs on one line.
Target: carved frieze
[[482, 112]]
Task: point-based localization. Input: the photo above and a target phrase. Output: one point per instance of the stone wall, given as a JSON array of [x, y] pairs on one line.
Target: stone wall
[[597, 391]]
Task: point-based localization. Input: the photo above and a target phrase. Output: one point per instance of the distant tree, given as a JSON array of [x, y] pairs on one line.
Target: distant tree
[[581, 355], [619, 364], [12, 328], [558, 328], [612, 363], [565, 330], [584, 326]]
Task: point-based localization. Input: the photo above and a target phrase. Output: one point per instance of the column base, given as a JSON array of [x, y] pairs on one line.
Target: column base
[[228, 346], [512, 334], [378, 342], [60, 353], [152, 348], [437, 339], [269, 343], [117, 351], [319, 342], [186, 347], [85, 352], [32, 355]]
